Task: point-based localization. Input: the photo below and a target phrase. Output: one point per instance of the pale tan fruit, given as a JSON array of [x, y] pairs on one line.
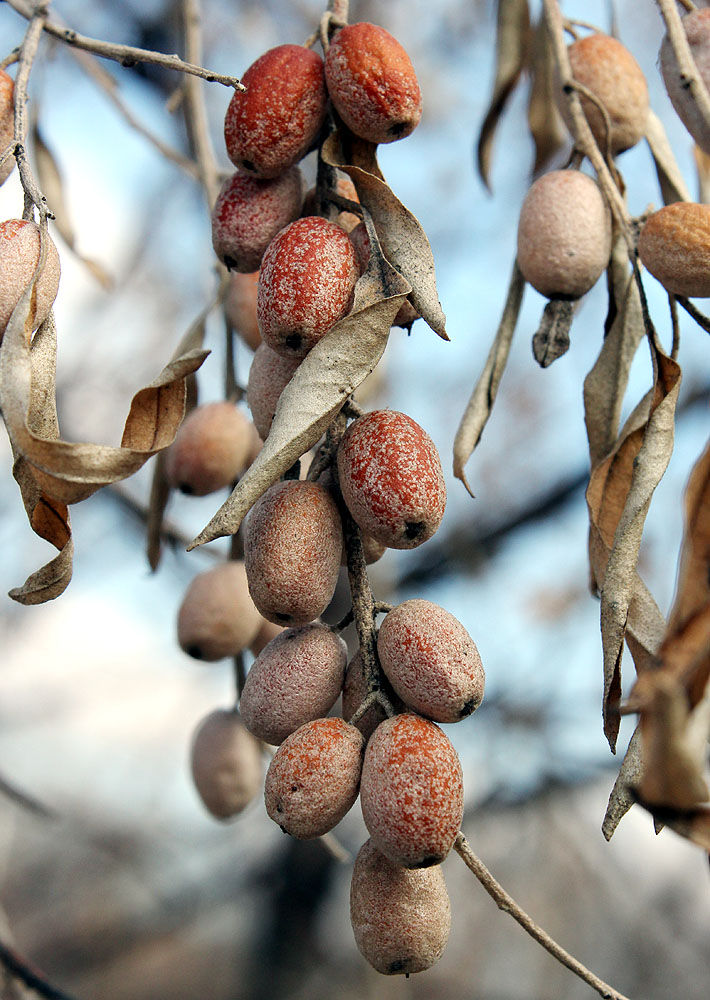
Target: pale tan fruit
[[211, 449], [607, 68], [225, 760], [564, 234], [697, 29], [240, 307], [674, 246], [400, 918], [217, 617]]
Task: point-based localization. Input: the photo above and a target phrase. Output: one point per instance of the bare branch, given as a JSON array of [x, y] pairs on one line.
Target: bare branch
[[20, 969]]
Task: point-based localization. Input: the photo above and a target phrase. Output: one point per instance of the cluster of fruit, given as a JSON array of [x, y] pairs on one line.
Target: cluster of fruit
[[565, 232], [385, 477]]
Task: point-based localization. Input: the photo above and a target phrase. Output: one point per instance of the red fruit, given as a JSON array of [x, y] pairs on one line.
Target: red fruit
[[391, 479], [411, 791], [225, 761], [274, 123], [19, 254], [314, 777], [306, 284], [292, 544], [217, 617], [7, 121], [372, 83], [431, 661], [296, 678], [240, 307], [211, 449], [269, 375], [401, 918], [249, 212]]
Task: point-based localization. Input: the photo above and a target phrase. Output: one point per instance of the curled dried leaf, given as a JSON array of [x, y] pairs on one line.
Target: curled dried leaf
[[670, 178], [402, 239], [622, 796], [512, 43], [551, 340]]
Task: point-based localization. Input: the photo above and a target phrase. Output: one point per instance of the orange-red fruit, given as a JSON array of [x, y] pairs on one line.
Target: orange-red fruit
[[606, 67], [306, 284], [675, 247], [431, 661], [391, 479], [249, 212], [225, 761], [697, 29], [564, 234], [217, 617], [411, 791], [7, 121], [372, 83], [296, 678], [240, 307], [269, 375], [211, 449], [400, 918], [19, 254], [274, 123], [292, 544], [314, 777]]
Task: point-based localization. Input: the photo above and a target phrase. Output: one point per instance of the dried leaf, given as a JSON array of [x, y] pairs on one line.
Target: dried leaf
[[329, 373], [402, 239], [545, 122], [484, 394], [670, 178], [551, 339], [50, 181], [693, 589], [622, 795], [512, 42], [702, 163]]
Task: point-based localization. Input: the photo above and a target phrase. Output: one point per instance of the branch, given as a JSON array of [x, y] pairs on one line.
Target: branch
[[19, 968], [195, 112], [126, 55], [507, 904]]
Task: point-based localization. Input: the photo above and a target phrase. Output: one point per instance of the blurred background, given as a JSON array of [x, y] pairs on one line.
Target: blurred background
[[113, 879]]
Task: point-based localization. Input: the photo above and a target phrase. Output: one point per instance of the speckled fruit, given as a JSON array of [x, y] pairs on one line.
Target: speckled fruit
[[306, 284], [314, 777], [19, 254], [225, 761], [411, 791], [274, 123], [401, 918], [606, 67], [7, 121], [249, 212], [697, 29], [292, 544], [372, 83], [564, 234], [296, 678], [431, 661], [391, 479], [217, 617], [269, 375], [675, 247], [355, 690], [211, 449], [240, 307]]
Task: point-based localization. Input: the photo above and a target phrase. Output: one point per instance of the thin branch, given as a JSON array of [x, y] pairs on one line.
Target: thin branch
[[28, 51], [20, 969], [700, 318], [28, 802], [126, 55], [195, 111], [507, 904]]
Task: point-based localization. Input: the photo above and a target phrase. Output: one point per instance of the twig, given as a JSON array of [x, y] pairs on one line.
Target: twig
[[19, 968], [195, 112], [28, 51], [699, 317], [25, 801], [126, 55], [507, 904]]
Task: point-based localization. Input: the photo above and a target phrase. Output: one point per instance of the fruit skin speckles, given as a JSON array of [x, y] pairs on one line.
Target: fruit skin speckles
[[274, 123], [391, 478], [411, 791], [306, 284], [372, 83]]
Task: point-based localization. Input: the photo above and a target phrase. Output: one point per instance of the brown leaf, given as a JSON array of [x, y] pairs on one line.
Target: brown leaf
[[402, 239], [544, 119], [479, 406], [670, 178], [622, 794], [693, 589], [551, 340], [512, 42]]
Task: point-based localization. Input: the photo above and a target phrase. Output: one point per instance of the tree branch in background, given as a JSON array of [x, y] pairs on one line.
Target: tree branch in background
[[20, 969]]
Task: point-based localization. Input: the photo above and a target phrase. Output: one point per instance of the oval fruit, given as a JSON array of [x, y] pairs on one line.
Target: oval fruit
[[674, 246], [225, 761]]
